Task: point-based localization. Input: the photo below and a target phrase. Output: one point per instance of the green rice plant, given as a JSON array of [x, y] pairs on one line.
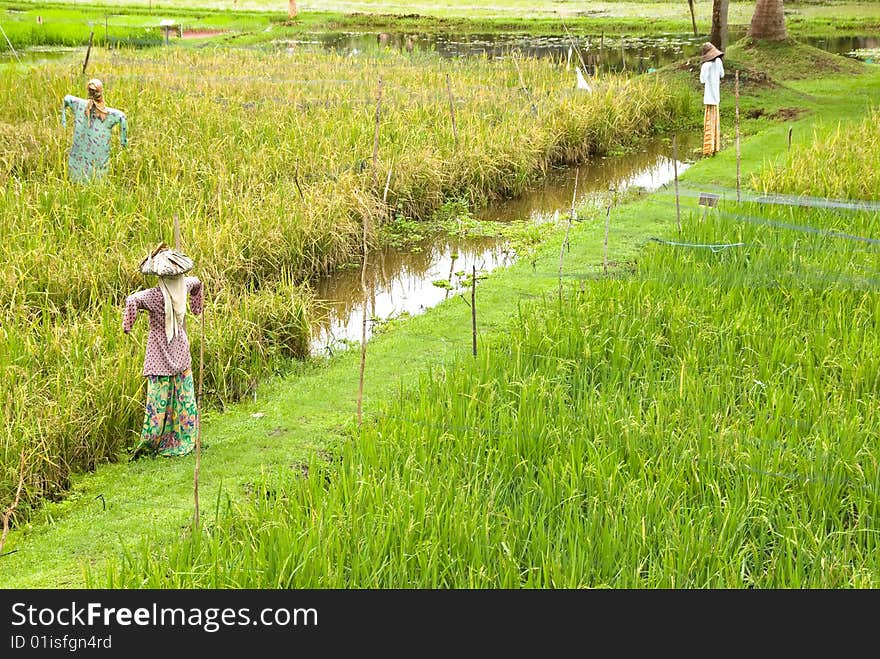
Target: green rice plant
[[266, 159], [842, 161], [710, 421]]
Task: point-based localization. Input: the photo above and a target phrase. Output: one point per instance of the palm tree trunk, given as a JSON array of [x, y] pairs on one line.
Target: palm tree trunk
[[768, 21], [719, 23]]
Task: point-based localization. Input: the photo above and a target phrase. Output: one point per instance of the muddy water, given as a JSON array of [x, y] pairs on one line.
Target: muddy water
[[402, 282]]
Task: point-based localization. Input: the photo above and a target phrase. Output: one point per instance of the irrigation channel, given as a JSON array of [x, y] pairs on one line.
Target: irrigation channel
[[401, 282], [606, 53]]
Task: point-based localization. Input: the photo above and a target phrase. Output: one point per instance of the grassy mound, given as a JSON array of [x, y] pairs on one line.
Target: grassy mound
[[785, 60]]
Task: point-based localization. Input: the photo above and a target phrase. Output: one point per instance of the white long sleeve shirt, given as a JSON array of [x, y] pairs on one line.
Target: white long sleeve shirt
[[710, 75]]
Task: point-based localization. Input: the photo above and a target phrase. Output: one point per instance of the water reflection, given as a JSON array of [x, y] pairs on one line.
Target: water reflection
[[649, 168], [597, 52], [401, 282]]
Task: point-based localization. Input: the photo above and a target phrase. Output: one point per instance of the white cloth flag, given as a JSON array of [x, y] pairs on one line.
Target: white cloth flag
[[581, 81]]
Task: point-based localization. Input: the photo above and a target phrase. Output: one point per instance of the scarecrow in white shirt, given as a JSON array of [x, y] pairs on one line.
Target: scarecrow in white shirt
[[711, 72]]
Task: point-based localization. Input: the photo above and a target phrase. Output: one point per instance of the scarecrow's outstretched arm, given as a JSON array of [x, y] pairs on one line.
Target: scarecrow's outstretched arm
[[68, 102], [133, 303], [196, 294]]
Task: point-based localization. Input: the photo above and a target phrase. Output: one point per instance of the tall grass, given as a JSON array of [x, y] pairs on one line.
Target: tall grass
[[266, 159], [841, 161], [709, 422]]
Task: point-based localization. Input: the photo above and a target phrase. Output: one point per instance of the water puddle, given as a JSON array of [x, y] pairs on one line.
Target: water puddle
[[402, 282]]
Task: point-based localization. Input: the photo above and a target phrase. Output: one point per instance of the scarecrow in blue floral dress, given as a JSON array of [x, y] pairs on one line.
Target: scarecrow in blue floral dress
[[93, 122]]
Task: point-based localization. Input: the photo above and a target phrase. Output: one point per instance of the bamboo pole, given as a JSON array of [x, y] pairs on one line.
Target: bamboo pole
[[675, 171], [198, 466], [199, 406], [474, 307], [607, 224], [10, 44], [88, 50], [736, 96], [567, 228], [360, 399]]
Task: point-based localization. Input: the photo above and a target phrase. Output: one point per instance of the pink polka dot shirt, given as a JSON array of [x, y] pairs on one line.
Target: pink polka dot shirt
[[163, 358]]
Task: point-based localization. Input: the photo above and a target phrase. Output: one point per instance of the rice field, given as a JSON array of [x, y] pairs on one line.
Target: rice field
[[848, 157], [710, 421], [267, 159]]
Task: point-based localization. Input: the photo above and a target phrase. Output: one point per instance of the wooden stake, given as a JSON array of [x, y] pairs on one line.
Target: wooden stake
[[88, 50], [567, 228], [474, 307], [790, 128], [452, 112], [736, 96], [675, 171]]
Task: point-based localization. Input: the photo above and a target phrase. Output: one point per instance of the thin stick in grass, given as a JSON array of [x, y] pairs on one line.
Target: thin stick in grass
[[88, 51], [675, 171], [7, 515], [474, 308], [10, 44], [360, 400], [736, 114], [199, 408], [607, 224], [452, 112], [567, 228], [296, 181], [522, 84]]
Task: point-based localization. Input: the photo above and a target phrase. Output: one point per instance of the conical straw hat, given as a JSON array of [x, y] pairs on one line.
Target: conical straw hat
[[166, 262]]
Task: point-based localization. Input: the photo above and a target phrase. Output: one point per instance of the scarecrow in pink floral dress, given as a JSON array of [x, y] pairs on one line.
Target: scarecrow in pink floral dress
[[171, 419]]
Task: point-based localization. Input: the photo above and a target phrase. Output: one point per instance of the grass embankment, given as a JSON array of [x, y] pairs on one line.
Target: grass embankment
[[267, 163], [311, 411], [137, 23]]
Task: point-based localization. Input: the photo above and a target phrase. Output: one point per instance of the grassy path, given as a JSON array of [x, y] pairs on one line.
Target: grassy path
[[306, 410]]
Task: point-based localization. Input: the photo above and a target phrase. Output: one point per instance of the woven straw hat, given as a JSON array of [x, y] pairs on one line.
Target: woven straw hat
[[166, 262], [708, 52]]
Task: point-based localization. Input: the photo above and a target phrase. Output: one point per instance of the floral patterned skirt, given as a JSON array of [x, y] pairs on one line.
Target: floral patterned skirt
[[171, 420]]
